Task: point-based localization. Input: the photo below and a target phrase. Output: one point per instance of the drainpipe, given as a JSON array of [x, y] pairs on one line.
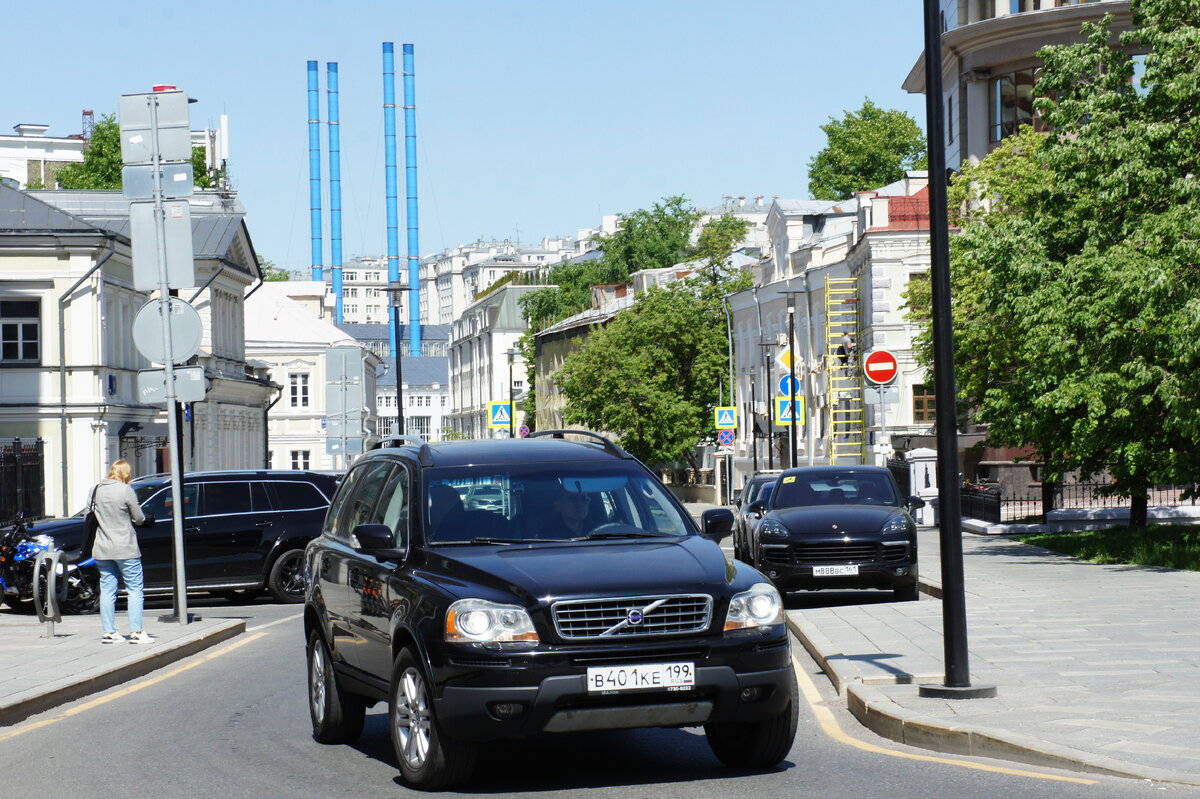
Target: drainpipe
[[267, 425], [62, 364]]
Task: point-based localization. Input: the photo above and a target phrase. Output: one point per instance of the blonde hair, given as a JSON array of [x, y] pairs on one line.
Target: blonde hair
[[120, 470]]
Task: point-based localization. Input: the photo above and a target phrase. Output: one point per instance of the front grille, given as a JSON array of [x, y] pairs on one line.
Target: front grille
[[895, 553], [632, 617], [837, 552]]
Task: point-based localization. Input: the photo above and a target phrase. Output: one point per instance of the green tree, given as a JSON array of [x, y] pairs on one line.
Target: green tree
[[653, 375], [645, 239], [866, 149], [717, 240], [272, 273], [101, 165], [1076, 290]]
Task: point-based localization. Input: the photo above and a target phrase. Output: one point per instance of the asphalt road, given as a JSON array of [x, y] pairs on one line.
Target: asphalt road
[[232, 722]]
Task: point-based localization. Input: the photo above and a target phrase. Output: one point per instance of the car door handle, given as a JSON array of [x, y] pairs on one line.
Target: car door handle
[[191, 529], [264, 524]]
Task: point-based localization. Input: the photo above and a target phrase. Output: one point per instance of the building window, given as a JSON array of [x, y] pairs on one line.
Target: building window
[[351, 276], [20, 331], [418, 426], [351, 292], [1011, 104], [299, 459], [923, 404], [299, 389]]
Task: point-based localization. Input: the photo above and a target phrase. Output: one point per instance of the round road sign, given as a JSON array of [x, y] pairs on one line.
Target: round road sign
[[880, 367], [725, 438], [186, 330]]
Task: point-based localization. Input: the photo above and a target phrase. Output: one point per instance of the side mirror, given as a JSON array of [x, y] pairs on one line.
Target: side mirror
[[737, 502], [757, 506], [716, 523], [915, 502], [377, 540]]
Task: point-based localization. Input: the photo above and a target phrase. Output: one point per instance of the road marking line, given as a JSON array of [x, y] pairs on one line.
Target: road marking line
[[273, 623], [830, 725], [126, 691]]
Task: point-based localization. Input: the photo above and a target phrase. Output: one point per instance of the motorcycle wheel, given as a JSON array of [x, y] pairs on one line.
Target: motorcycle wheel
[[83, 592]]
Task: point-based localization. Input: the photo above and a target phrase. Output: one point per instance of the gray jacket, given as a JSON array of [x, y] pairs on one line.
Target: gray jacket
[[117, 510]]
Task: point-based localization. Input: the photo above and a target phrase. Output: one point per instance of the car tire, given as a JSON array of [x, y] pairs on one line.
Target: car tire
[[429, 759], [910, 592], [82, 594], [754, 744], [286, 582], [337, 716]]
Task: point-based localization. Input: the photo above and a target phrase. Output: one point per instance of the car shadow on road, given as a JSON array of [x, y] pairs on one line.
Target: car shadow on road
[[807, 600], [576, 761]]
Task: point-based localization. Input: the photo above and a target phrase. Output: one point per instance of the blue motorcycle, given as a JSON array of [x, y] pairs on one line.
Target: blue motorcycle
[[77, 582]]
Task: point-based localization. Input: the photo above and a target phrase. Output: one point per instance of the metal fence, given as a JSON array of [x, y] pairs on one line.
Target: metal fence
[[987, 504], [22, 480]]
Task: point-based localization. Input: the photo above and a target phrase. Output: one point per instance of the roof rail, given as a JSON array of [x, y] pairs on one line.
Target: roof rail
[[424, 453], [605, 442]]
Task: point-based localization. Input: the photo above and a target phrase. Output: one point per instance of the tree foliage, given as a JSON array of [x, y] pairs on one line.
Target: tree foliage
[[866, 149], [1075, 278], [652, 376], [717, 240], [645, 239], [101, 165]]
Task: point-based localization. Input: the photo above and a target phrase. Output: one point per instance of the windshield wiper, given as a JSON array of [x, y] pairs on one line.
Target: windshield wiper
[[596, 536]]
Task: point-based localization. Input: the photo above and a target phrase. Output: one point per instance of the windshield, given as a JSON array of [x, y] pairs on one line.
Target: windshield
[[548, 502], [834, 488]]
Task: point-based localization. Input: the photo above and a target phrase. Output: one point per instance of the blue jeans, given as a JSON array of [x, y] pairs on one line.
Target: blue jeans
[[130, 570]]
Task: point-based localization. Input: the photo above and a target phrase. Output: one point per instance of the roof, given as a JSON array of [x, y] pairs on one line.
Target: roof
[[422, 371], [510, 451], [24, 213], [816, 207], [380, 331], [272, 317], [592, 316]]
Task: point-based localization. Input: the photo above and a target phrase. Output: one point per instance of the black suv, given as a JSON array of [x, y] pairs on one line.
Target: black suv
[[242, 530], [587, 600]]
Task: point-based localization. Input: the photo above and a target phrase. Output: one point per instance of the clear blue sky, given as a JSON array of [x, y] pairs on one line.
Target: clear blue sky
[[533, 118]]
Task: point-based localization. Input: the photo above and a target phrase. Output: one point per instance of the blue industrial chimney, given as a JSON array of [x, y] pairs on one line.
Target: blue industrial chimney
[[314, 168], [389, 155], [410, 186], [335, 187]]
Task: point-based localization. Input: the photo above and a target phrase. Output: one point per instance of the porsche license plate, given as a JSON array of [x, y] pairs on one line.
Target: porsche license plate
[[834, 571], [643, 677]]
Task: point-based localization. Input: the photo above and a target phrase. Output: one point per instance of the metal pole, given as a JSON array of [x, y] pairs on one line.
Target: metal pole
[[512, 401], [808, 360], [792, 373], [164, 304], [954, 616], [766, 348], [753, 426], [399, 374]]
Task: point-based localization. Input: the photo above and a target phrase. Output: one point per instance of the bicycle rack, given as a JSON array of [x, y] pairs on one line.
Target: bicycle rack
[[47, 608]]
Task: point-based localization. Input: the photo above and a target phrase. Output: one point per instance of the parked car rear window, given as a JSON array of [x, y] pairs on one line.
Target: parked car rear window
[[296, 495]]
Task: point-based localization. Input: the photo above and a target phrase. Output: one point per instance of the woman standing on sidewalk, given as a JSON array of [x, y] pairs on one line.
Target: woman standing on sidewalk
[[116, 552]]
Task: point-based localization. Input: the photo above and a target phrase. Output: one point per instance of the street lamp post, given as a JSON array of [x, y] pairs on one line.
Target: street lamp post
[[791, 306], [396, 299], [753, 421], [512, 400], [767, 346]]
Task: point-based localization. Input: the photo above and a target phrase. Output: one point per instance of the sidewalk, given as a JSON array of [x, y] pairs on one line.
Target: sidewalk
[[38, 672], [1096, 668]]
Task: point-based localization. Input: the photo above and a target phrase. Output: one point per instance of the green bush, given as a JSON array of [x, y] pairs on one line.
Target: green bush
[[1169, 546]]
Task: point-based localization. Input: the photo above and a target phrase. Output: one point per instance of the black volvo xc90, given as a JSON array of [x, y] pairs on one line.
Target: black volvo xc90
[[588, 599]]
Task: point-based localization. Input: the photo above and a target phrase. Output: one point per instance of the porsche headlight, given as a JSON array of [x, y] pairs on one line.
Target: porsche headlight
[[761, 606], [477, 621], [897, 524], [773, 527]]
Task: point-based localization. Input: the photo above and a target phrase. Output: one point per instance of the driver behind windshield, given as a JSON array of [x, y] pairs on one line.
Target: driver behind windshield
[[570, 515]]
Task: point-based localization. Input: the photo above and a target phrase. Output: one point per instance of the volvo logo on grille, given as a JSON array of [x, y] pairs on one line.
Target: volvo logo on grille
[[634, 616]]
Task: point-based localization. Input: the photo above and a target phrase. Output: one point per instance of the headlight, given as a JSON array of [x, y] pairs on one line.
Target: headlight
[[772, 527], [476, 621], [758, 607], [896, 524]]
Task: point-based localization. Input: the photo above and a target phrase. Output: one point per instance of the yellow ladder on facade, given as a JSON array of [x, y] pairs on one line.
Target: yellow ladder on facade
[[847, 438]]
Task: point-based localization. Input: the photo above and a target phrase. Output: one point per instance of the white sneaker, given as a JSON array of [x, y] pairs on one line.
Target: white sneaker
[[112, 638], [141, 637]]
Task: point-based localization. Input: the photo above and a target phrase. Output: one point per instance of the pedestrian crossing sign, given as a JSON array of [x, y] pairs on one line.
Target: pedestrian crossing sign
[[726, 418], [789, 410], [499, 414]]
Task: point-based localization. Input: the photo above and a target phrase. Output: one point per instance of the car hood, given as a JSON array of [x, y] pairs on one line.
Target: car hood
[[841, 519], [67, 533], [607, 568]]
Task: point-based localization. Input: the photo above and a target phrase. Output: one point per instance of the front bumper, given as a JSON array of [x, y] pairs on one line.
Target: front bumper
[[528, 698]]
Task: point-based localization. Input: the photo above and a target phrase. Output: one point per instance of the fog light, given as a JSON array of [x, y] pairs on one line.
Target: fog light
[[506, 710], [752, 694], [772, 574], [901, 570]]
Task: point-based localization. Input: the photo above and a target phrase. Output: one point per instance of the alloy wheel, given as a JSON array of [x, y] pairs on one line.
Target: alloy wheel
[[413, 721]]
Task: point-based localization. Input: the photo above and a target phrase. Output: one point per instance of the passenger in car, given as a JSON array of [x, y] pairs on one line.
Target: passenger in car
[[570, 519]]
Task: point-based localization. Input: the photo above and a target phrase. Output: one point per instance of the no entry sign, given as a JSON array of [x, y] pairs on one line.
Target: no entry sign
[[880, 367]]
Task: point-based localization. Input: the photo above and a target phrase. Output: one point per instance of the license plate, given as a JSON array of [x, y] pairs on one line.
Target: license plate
[[649, 676], [834, 571]]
